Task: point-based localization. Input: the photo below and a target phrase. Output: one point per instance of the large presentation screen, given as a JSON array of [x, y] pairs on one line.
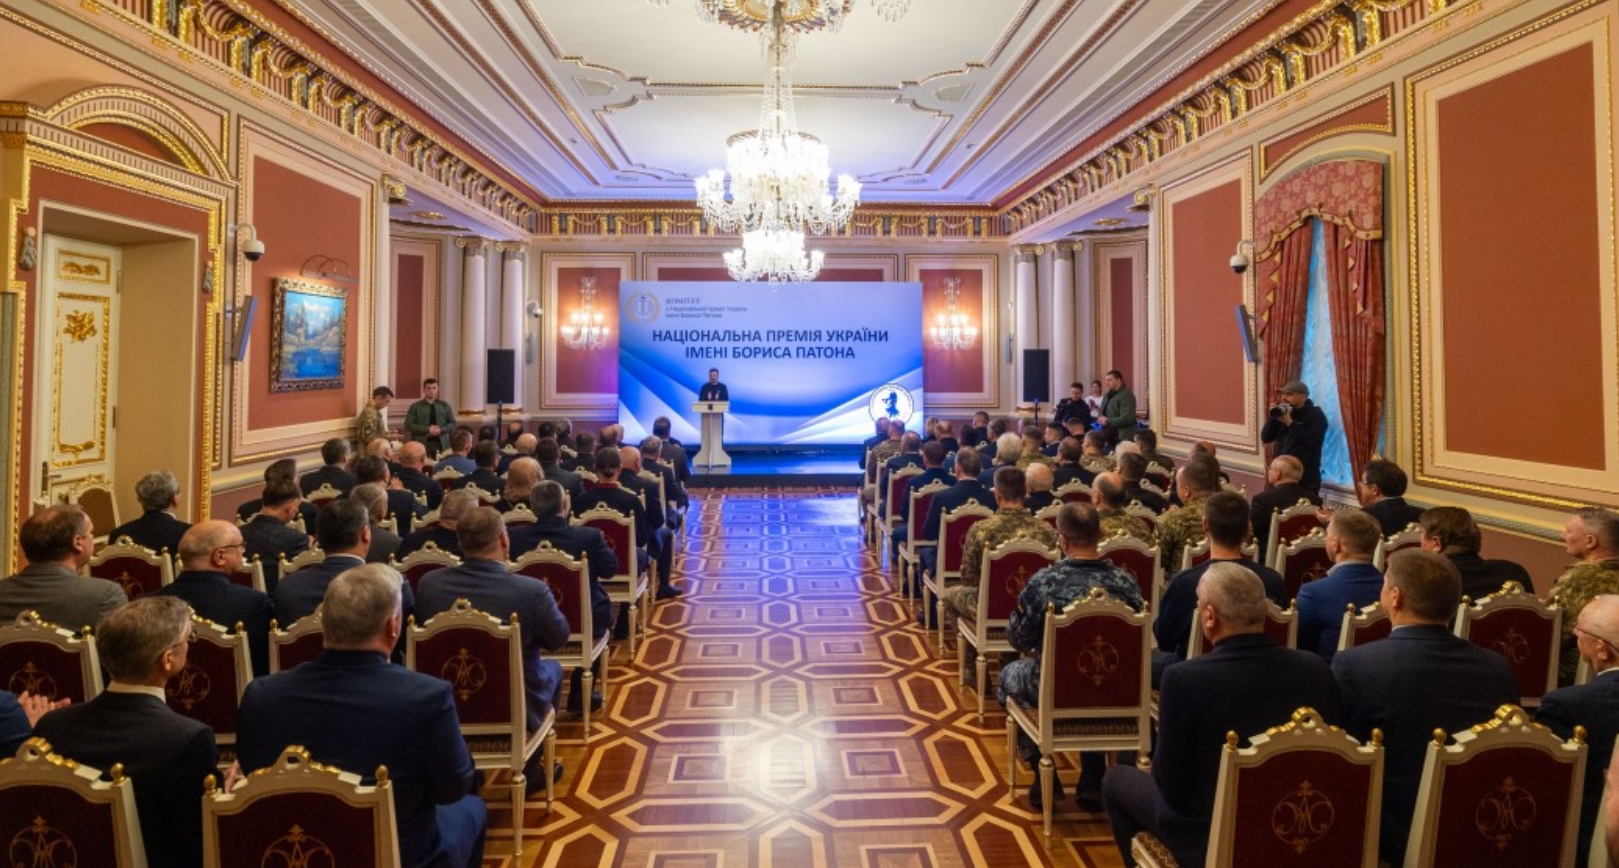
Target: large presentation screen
[[802, 362]]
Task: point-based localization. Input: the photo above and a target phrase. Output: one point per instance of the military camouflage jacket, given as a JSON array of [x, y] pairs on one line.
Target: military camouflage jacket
[[1577, 586], [1178, 528], [1005, 525], [1117, 522]]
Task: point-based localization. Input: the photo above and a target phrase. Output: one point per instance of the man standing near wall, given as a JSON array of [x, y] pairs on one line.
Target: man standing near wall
[[371, 423], [430, 420], [1298, 428], [1118, 416]]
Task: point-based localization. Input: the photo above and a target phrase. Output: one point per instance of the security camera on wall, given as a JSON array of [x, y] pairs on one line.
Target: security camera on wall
[[1240, 259], [248, 242]]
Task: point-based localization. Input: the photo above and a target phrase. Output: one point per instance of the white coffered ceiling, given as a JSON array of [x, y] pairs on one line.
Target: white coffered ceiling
[[957, 102]]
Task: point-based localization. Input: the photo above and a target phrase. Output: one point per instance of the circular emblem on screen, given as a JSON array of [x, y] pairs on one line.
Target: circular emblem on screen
[[642, 307], [892, 402]]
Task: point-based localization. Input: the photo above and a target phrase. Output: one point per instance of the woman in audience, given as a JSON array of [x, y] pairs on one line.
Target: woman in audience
[[521, 477]]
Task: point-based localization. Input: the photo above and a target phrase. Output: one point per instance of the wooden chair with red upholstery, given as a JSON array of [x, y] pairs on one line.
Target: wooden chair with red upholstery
[[1370, 624], [1301, 794], [249, 575], [519, 514], [1506, 794], [1049, 514], [1138, 559], [1072, 492], [1286, 525], [323, 495], [1144, 513], [1004, 572], [448, 479], [1527, 632], [1409, 538], [306, 558], [1095, 667], [482, 659], [568, 578], [953, 527], [423, 561], [209, 688], [299, 643], [1302, 561], [136, 569], [910, 549], [1281, 625], [629, 586], [586, 478], [55, 813], [894, 490], [297, 812], [485, 498], [1200, 551], [1160, 476], [46, 660], [872, 481]]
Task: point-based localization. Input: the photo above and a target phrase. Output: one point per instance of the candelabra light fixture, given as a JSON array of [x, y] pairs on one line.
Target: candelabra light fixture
[[584, 329], [801, 15], [952, 329]]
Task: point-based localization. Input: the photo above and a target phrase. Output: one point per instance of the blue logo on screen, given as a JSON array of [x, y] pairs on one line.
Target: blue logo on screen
[[643, 307], [892, 402]]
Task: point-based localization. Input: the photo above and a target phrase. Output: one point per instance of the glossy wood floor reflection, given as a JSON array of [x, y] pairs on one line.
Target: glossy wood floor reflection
[[788, 713]]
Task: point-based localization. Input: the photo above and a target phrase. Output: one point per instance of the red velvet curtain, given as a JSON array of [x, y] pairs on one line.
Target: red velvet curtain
[[1354, 266], [1284, 291]]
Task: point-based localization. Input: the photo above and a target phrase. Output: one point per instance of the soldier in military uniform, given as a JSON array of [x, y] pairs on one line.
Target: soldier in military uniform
[[1592, 535], [1011, 521], [1079, 531], [1184, 526], [880, 454], [371, 424], [1095, 458], [1108, 492], [1033, 449]]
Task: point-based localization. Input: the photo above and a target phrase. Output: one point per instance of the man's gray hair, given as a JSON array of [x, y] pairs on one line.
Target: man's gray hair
[[456, 504], [371, 496], [1235, 593], [1008, 448], [547, 498], [131, 638], [156, 490], [358, 604]]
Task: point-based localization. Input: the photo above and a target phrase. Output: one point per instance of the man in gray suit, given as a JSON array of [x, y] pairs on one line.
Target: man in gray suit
[[58, 542]]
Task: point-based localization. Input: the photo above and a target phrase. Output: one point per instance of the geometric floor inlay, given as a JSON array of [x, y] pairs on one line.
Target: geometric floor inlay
[[788, 712]]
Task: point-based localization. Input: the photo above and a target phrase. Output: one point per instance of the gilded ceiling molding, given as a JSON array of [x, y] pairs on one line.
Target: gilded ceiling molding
[[641, 221], [1317, 43], [234, 38]]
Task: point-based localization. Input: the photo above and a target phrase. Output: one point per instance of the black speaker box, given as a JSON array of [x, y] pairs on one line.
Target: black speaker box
[[1037, 376], [501, 378]]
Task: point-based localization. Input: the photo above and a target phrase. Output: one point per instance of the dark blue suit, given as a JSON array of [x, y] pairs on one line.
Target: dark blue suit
[[585, 543], [498, 591], [965, 491], [304, 590], [1245, 684], [328, 474], [403, 508], [437, 534], [902, 509], [14, 726], [417, 482], [355, 711], [1420, 678], [268, 539], [1323, 602], [212, 596], [1173, 626], [166, 754], [1594, 706], [484, 478], [306, 511], [156, 530]]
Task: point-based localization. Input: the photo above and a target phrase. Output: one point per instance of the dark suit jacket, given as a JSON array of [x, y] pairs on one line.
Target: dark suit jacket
[[384, 545], [418, 482], [496, 590], [1062, 474], [1393, 514], [306, 511], [965, 491], [436, 534], [213, 597], [569, 480], [1173, 624], [619, 500], [1418, 679], [156, 530], [585, 543], [327, 474], [1322, 604], [1151, 500], [867, 445], [403, 508], [1594, 706], [1245, 684], [1272, 500], [484, 478], [672, 489], [165, 754], [304, 590], [267, 539], [713, 392], [1482, 577], [390, 716], [675, 456], [654, 507]]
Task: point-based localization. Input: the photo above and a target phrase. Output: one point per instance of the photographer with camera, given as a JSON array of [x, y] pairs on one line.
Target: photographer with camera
[[1298, 428]]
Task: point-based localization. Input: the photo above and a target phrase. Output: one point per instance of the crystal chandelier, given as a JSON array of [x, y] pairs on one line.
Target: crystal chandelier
[[774, 255], [801, 15], [952, 330], [584, 330]]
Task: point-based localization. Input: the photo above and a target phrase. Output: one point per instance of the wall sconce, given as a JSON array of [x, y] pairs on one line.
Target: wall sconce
[[952, 330], [328, 268], [1243, 257], [584, 329]]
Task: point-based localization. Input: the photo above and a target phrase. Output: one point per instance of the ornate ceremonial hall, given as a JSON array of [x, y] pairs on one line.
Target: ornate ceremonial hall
[[250, 245]]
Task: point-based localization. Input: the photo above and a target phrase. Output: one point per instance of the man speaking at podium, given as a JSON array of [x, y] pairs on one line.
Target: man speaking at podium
[[713, 390]]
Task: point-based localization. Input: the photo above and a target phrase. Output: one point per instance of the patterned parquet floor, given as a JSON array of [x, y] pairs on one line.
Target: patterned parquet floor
[[787, 712]]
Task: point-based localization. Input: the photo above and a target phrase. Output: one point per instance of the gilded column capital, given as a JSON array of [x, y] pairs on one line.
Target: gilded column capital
[[1143, 199], [473, 245], [394, 189], [1067, 248], [1028, 252], [513, 250]]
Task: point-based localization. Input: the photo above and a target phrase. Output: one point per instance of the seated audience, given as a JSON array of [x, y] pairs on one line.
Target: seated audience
[[549, 455], [1093, 452], [1225, 522], [1132, 467], [458, 458], [676, 501], [165, 754], [1033, 448], [1079, 531], [1352, 540], [932, 458], [442, 532], [1382, 494], [403, 507], [872, 442], [1067, 468], [1283, 492], [209, 552], [1107, 493], [674, 454], [1147, 445], [391, 716], [413, 474], [522, 447], [335, 454], [550, 503], [268, 537], [1594, 706], [1011, 521], [1244, 684], [1591, 537], [384, 542], [283, 469], [1421, 678], [383, 449], [343, 531], [1451, 531], [1007, 452], [1053, 434], [945, 435], [486, 455], [1195, 482], [521, 477], [58, 542], [659, 543], [1038, 478], [584, 447], [967, 489], [157, 529]]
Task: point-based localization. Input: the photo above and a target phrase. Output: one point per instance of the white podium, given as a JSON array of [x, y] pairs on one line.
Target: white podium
[[712, 452]]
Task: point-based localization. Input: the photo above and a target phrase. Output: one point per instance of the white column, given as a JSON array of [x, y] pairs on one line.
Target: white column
[[1024, 279], [474, 307], [1064, 335], [1158, 405], [1086, 326], [511, 313]]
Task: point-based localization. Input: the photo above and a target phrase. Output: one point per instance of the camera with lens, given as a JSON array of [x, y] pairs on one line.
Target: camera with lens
[[1281, 409]]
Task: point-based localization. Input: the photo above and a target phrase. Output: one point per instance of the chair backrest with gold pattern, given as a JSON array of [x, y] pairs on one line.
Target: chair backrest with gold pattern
[[519, 514], [619, 529], [1527, 632], [249, 575], [1006, 570], [1048, 514], [1095, 663], [46, 660], [299, 643], [210, 686], [1506, 793], [485, 498], [447, 479], [953, 527], [55, 813], [482, 661], [1138, 559], [135, 568], [1302, 561], [896, 488], [921, 502], [1072, 492], [1408, 538], [299, 813], [1160, 476], [568, 579], [1370, 624], [323, 495], [1281, 627], [94, 495], [1286, 525], [306, 558], [423, 561], [1199, 552]]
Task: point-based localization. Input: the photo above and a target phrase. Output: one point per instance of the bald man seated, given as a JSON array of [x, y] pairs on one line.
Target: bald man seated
[[209, 553], [1594, 705], [1283, 490], [414, 476]]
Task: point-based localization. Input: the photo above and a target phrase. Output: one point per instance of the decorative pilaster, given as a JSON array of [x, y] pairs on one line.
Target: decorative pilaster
[[1026, 314], [1064, 335], [511, 312], [474, 316]]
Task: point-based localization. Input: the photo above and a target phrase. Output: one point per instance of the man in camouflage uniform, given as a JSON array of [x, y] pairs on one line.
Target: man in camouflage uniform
[[879, 455], [1592, 535], [1181, 527], [1108, 492], [1095, 458], [1079, 530], [1011, 521], [1033, 449]]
